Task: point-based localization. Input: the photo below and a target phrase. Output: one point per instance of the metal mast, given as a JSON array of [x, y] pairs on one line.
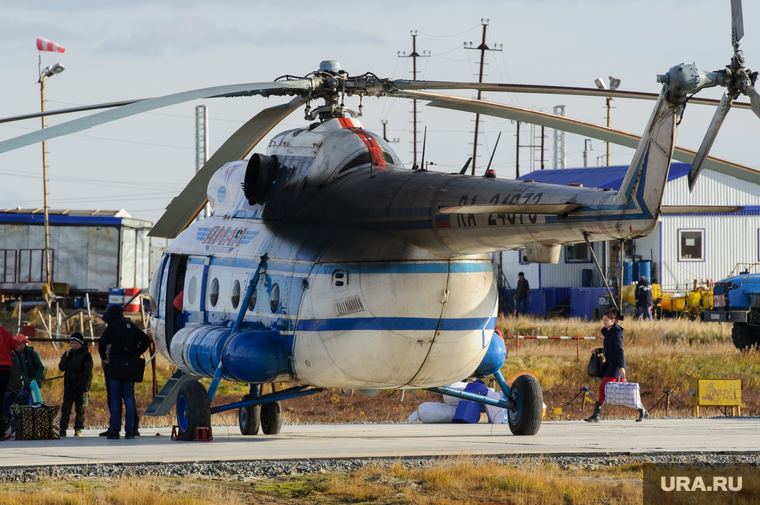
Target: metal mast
[[483, 47], [560, 157], [201, 143], [414, 55]]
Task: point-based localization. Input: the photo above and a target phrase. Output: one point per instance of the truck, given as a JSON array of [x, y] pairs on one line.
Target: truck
[[736, 300]]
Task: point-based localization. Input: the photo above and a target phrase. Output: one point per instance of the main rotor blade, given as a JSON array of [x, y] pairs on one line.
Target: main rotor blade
[[754, 98], [707, 142], [403, 85], [570, 125], [83, 108], [737, 23], [186, 206], [149, 104]]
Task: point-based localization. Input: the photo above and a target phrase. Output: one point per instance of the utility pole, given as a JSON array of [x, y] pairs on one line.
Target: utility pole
[[608, 125], [586, 149], [414, 55], [517, 156], [483, 47], [614, 84], [201, 143], [560, 159]]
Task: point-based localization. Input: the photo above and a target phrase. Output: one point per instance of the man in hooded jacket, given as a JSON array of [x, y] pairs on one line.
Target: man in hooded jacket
[[120, 338]]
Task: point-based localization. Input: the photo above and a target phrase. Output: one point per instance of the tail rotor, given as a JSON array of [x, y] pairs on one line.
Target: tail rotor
[[738, 80]]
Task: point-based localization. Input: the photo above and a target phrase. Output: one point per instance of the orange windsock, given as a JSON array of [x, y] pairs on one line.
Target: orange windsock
[[49, 45]]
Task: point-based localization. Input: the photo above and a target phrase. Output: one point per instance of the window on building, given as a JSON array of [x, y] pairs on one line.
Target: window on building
[[523, 257], [577, 253], [691, 245]]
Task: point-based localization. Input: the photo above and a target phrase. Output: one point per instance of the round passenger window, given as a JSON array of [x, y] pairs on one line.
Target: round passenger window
[[274, 298], [192, 290], [235, 298], [213, 293]]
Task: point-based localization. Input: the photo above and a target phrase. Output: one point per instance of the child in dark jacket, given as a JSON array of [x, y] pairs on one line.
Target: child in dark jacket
[[76, 363]]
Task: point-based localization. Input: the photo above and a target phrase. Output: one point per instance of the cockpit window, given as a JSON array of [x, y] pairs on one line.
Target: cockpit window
[[365, 158], [361, 159]]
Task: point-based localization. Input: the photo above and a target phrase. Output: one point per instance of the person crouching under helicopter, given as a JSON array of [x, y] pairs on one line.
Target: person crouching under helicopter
[[614, 370], [76, 365]]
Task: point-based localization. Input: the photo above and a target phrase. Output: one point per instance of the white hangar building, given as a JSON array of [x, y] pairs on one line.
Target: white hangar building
[[681, 249]]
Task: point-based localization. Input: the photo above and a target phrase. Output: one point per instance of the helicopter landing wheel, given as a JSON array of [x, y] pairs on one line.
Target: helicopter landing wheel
[[271, 418], [249, 418], [193, 409], [525, 418]]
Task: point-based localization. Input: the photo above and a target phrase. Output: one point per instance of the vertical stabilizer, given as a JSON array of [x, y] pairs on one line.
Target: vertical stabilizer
[[642, 190]]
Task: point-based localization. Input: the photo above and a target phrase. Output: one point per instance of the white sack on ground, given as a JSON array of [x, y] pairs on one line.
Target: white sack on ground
[[453, 400], [433, 412]]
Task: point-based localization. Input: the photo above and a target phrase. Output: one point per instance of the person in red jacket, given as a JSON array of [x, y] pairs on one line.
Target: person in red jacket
[[7, 346]]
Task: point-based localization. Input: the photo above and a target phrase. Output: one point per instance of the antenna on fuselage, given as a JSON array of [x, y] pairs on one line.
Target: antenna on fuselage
[[489, 174], [464, 168], [424, 142]]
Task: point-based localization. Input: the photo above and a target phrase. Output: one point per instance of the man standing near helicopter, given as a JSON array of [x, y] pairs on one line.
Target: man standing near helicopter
[[120, 338]]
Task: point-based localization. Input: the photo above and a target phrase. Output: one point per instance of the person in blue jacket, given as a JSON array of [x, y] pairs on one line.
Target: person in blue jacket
[[614, 370]]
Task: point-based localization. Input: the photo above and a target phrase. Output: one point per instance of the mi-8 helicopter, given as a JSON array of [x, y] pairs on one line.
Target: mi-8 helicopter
[[326, 263]]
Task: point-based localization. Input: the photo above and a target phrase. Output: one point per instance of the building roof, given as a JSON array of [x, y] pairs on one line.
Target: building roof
[[601, 177], [68, 212], [71, 217]]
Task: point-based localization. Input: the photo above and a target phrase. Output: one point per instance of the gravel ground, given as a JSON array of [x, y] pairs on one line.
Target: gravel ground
[[253, 470]]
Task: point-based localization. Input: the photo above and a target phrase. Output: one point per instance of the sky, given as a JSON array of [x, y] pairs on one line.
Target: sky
[[142, 49]]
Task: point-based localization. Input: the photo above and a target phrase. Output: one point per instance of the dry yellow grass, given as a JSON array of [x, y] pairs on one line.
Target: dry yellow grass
[[122, 491], [461, 480], [467, 480]]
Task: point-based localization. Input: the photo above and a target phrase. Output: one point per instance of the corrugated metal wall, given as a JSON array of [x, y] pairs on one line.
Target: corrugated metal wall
[[727, 240], [561, 275], [712, 188]]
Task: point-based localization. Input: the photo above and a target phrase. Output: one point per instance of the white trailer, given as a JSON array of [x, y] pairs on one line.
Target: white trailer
[[91, 251]]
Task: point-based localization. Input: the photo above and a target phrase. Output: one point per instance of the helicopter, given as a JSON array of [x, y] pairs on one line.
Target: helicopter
[[328, 264]]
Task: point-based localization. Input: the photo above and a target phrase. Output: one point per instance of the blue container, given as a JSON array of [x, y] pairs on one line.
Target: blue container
[[560, 295], [627, 273], [467, 411], [583, 301], [537, 302], [644, 268], [586, 277], [78, 302], [115, 296]]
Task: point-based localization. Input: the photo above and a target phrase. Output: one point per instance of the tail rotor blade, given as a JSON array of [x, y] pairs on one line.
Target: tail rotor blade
[[707, 142], [737, 23]]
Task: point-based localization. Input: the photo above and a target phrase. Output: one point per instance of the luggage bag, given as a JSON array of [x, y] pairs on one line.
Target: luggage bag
[[37, 422], [623, 393]]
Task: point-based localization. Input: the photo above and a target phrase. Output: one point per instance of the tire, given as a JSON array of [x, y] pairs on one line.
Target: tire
[[193, 409], [249, 418], [525, 419], [744, 336], [271, 418]]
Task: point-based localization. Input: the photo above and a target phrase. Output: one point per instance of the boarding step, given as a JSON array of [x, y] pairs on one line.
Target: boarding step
[[167, 397]]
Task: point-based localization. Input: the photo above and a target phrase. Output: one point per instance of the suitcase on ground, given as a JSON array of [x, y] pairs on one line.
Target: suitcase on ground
[[623, 393], [37, 422]]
